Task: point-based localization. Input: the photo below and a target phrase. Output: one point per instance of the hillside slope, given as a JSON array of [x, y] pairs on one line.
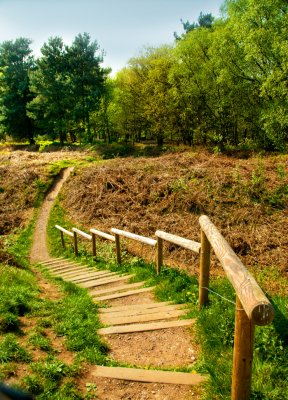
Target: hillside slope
[[247, 199]]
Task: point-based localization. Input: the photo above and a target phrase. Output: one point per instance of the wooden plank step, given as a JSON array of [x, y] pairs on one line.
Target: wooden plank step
[[134, 307], [134, 319], [145, 327], [64, 267], [124, 294], [116, 289], [68, 268], [63, 264], [68, 274], [145, 311], [73, 271], [52, 260], [152, 376], [104, 281], [87, 277], [78, 272]]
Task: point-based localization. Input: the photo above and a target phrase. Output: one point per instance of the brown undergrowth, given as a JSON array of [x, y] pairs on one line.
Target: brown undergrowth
[[23, 176], [245, 198]]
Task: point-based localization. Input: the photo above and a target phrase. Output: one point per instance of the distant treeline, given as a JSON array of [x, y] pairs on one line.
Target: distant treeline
[[223, 83]]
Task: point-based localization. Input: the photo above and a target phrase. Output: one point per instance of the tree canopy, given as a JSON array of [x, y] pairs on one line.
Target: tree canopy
[[223, 83]]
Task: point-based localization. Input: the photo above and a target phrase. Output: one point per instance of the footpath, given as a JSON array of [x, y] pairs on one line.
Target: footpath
[[152, 337]]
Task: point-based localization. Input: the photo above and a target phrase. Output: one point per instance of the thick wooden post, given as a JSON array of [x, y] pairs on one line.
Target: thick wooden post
[[243, 354], [75, 243], [118, 248], [94, 252], [159, 254], [205, 255], [62, 239]]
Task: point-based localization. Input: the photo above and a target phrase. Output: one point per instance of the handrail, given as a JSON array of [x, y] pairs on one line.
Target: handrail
[[81, 233], [102, 234], [180, 241], [64, 230], [258, 308], [252, 306], [129, 235]]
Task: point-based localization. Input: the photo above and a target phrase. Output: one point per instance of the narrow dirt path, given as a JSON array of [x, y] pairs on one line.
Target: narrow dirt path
[[39, 250], [172, 347]]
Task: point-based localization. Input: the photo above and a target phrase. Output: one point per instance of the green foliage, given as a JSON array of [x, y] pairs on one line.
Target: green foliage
[[112, 150], [40, 341], [18, 294], [68, 83], [19, 246], [16, 63], [10, 350], [76, 318]]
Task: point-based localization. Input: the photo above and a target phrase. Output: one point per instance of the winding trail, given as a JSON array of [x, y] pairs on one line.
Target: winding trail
[[39, 250], [141, 331]]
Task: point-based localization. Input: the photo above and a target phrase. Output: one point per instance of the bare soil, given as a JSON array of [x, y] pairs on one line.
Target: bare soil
[[39, 251]]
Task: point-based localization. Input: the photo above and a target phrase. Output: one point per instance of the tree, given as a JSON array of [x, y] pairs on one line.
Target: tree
[[16, 63], [260, 28], [156, 93], [50, 84], [68, 84], [131, 122], [87, 81], [102, 120], [204, 21]]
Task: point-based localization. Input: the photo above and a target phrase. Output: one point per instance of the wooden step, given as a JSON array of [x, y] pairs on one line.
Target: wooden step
[[72, 271], [145, 327], [69, 268], [99, 282], [64, 265], [80, 272], [68, 275], [91, 275], [123, 294], [51, 261], [69, 271], [116, 289], [144, 311], [134, 307], [153, 376], [134, 319]]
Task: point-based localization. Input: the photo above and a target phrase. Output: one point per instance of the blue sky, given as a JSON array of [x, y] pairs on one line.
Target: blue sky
[[121, 27]]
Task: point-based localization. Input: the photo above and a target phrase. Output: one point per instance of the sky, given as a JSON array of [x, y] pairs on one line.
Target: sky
[[121, 27]]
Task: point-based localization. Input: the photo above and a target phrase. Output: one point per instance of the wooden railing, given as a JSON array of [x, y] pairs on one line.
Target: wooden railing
[[252, 306], [62, 231], [178, 240]]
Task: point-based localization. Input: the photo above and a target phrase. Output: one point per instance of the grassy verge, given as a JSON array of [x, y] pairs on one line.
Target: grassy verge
[[215, 324], [45, 344]]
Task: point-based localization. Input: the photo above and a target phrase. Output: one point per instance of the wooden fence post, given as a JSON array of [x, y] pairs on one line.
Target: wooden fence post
[[242, 355], [205, 255], [118, 248], [62, 239], [75, 243], [159, 254], [94, 245]]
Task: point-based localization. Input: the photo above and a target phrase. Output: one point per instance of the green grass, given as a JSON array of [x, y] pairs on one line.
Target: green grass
[[10, 350], [72, 318]]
